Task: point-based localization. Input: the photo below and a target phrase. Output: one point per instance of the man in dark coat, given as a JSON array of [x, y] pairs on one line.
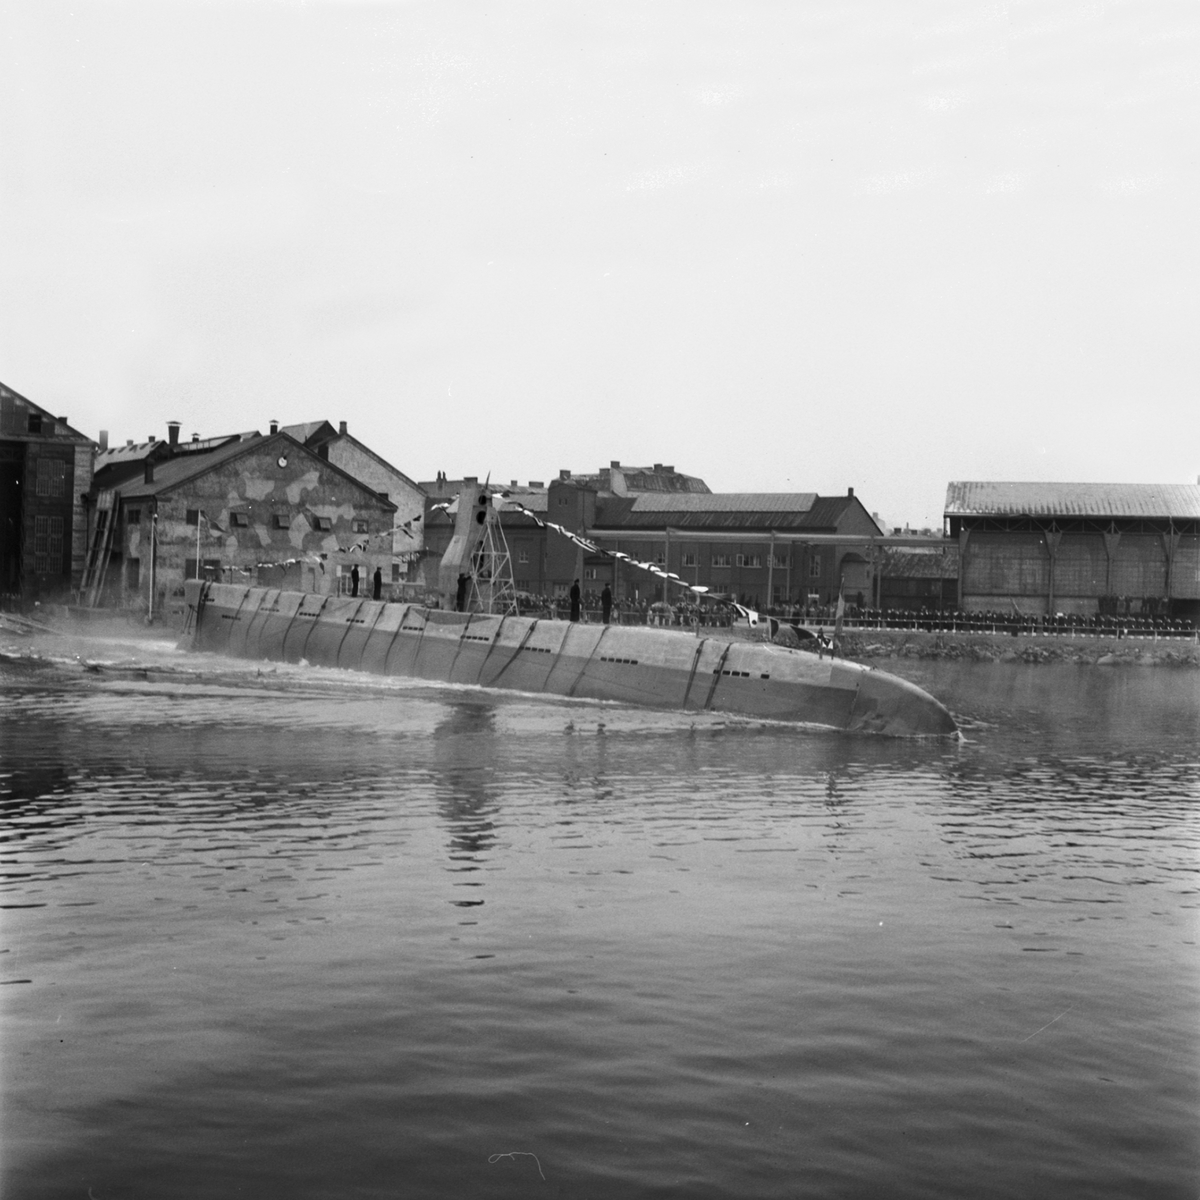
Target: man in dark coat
[[354, 580], [575, 601], [377, 580], [606, 603]]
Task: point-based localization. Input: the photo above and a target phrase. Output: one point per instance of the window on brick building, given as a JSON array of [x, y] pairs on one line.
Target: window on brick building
[[51, 477], [47, 545]]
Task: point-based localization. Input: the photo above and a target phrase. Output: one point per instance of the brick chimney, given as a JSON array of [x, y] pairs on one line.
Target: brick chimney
[[341, 428], [274, 426], [850, 493], [173, 433], [103, 440]]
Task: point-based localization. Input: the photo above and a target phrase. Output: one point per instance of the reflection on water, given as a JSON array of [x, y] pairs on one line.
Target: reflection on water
[[383, 940]]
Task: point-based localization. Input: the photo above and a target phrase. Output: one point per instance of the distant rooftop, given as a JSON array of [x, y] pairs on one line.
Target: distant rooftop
[[713, 502], [1103, 500]]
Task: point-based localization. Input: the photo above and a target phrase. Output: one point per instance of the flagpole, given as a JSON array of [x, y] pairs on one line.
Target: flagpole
[[839, 613], [199, 514]]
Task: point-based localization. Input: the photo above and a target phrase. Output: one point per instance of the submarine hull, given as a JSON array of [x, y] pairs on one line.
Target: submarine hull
[[633, 665]]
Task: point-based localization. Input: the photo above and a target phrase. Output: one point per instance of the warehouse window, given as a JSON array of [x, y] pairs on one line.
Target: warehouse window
[[720, 560], [814, 566], [779, 561], [749, 560], [51, 474], [689, 558], [240, 519], [47, 545], [522, 556], [358, 525], [283, 520], [133, 516], [325, 524]]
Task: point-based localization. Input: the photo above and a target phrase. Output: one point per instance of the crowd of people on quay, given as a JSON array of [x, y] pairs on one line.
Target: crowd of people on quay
[[722, 612]]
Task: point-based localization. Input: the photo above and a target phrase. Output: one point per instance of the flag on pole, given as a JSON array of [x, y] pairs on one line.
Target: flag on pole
[[839, 613]]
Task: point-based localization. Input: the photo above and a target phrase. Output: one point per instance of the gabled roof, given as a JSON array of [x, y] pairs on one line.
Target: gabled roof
[[308, 430], [1104, 500], [383, 462], [15, 411], [315, 433], [724, 502], [176, 472], [138, 452], [723, 510]]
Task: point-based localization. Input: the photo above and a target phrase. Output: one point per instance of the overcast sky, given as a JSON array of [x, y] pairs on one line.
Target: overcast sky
[[800, 246]]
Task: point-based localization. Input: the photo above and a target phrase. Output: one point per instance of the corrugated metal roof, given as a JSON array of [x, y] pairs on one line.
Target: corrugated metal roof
[[125, 454], [176, 470], [724, 502], [730, 511], [975, 498]]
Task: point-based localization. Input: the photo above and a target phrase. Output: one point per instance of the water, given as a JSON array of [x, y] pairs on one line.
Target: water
[[316, 934]]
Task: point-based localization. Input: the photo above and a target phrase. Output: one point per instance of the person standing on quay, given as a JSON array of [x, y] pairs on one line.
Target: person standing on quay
[[606, 603], [575, 601], [377, 580], [354, 580]]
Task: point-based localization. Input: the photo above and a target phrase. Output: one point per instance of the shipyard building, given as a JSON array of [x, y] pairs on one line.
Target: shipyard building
[[1077, 548]]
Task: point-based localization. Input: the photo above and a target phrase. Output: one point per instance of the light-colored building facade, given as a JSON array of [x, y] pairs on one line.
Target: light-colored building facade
[[343, 450], [259, 509]]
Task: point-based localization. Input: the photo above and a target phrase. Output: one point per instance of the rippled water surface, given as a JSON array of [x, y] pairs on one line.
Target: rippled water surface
[[312, 934]]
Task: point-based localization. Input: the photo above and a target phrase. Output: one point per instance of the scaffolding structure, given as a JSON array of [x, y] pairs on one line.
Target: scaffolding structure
[[492, 589]]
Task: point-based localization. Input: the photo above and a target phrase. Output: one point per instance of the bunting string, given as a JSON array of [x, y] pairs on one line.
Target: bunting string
[[591, 547]]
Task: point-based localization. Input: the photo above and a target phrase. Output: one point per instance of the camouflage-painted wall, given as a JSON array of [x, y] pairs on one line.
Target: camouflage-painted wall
[[257, 511]]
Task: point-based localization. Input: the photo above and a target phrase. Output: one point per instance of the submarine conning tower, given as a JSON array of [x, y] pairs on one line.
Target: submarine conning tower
[[470, 524]]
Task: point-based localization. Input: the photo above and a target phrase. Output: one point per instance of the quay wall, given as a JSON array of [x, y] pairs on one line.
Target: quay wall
[[1035, 648]]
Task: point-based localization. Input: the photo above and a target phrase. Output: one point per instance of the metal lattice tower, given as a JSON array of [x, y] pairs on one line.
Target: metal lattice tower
[[492, 588]]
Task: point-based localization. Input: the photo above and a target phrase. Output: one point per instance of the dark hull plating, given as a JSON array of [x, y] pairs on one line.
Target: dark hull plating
[[634, 665]]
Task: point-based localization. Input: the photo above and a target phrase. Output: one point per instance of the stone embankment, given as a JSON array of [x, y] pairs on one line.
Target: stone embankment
[[1034, 648]]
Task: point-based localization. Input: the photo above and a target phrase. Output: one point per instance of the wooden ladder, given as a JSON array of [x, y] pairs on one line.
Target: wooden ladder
[[100, 548]]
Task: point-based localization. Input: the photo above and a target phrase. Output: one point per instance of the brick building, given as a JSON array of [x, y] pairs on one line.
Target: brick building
[[45, 471], [760, 548]]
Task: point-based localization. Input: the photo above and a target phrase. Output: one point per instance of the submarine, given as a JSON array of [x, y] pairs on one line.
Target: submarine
[[646, 666]]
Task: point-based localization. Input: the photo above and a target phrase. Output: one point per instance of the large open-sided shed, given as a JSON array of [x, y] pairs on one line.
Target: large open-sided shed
[[1077, 547]]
